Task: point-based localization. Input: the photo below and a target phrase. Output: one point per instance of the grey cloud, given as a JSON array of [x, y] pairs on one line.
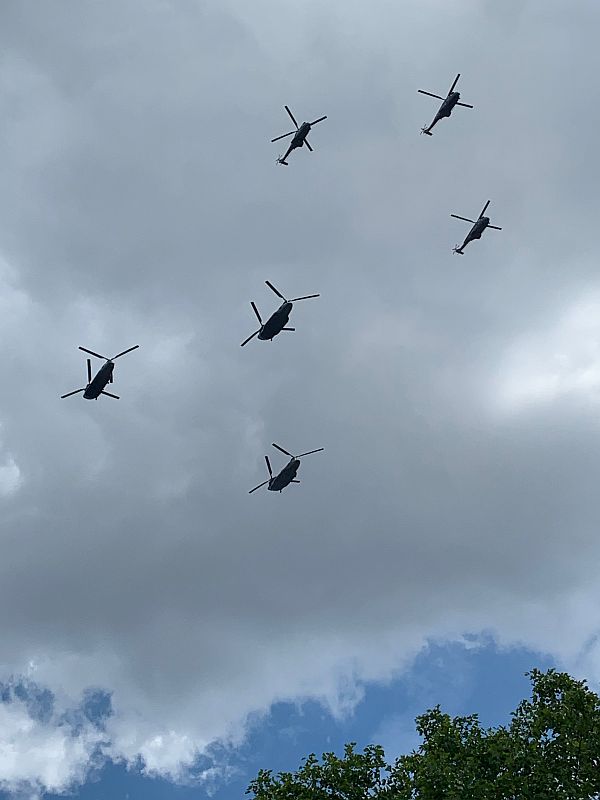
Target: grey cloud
[[141, 205]]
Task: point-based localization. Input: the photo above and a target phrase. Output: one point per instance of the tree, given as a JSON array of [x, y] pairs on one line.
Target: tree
[[550, 751]]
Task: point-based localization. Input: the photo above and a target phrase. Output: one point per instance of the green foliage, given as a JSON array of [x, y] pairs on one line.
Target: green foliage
[[550, 751], [356, 776]]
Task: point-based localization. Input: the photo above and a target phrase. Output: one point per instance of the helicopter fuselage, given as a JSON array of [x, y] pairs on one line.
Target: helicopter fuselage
[[285, 477], [276, 322], [300, 135], [477, 229], [94, 388], [447, 106]]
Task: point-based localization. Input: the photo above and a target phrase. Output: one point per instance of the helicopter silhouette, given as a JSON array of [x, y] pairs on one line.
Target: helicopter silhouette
[[278, 320], [445, 109], [299, 139], [277, 483], [479, 225], [95, 386]]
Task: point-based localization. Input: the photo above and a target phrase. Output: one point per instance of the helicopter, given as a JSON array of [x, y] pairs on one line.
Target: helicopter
[[95, 386], [445, 109], [278, 320], [299, 139], [277, 483], [479, 225]]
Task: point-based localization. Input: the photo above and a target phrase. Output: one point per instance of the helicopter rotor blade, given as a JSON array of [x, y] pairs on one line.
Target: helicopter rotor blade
[[250, 337], [277, 292], [295, 481], [288, 329], [318, 120], [256, 311], [431, 95], [91, 352], [135, 347], [495, 227], [454, 84], [68, 394], [310, 452], [292, 117], [282, 450], [307, 144], [306, 297], [466, 219], [258, 487], [465, 105], [89, 370], [108, 394], [283, 136], [269, 466], [484, 208]]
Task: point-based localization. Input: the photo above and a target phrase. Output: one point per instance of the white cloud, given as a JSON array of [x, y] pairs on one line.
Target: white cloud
[[560, 360], [38, 756]]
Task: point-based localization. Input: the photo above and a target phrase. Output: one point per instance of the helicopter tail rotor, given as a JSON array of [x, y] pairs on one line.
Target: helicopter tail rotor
[[426, 130], [458, 250]]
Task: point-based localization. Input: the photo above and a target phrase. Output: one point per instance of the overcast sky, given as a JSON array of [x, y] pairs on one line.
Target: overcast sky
[[457, 399]]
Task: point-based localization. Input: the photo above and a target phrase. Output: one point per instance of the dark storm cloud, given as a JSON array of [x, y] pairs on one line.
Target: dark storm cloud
[[141, 205]]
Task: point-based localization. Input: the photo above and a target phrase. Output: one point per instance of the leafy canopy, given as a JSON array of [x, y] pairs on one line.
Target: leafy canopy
[[550, 751]]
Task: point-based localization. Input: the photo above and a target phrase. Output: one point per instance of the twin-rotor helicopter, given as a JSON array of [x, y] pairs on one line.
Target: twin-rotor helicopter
[[278, 320], [96, 385], [287, 475]]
